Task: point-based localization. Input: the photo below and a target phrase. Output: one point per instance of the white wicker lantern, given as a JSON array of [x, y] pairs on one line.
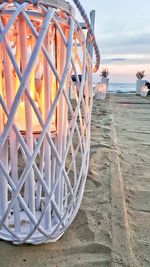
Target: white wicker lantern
[[44, 135], [100, 91]]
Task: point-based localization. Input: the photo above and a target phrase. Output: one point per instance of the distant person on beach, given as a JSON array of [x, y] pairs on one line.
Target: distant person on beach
[[148, 86]]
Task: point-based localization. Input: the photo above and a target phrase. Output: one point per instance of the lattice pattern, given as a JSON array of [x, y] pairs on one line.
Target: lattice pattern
[[44, 121]]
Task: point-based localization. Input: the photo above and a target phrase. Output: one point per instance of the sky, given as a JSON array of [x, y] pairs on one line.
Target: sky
[[122, 31]]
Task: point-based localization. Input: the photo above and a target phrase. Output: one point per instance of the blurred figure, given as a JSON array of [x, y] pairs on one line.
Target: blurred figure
[[148, 86]]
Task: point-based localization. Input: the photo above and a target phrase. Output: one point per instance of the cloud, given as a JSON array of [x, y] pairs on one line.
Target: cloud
[[126, 44], [130, 59], [112, 60]]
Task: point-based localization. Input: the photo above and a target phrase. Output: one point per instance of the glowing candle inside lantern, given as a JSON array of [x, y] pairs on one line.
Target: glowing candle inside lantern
[[20, 118], [36, 127], [100, 92], [144, 91], [36, 89]]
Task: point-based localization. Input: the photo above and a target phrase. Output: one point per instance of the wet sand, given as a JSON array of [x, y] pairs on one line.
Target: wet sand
[[112, 227]]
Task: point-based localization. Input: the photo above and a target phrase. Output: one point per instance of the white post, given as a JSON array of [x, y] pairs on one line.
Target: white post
[[90, 86], [39, 186], [92, 18], [17, 56], [3, 181], [12, 137], [47, 99], [29, 184], [61, 118], [3, 156]]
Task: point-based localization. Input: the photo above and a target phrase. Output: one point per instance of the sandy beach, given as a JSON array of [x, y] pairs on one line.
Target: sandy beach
[[112, 227]]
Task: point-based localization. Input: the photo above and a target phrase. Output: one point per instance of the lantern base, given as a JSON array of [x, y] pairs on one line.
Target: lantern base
[[37, 238]]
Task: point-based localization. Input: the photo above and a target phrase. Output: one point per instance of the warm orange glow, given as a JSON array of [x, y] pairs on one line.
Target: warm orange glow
[[37, 93], [21, 123], [1, 115], [144, 91], [101, 87], [100, 91], [35, 84]]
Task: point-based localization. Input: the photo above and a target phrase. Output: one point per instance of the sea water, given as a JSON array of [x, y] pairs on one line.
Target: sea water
[[119, 88]]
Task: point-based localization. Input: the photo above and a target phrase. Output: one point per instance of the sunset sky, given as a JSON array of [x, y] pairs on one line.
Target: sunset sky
[[123, 34]]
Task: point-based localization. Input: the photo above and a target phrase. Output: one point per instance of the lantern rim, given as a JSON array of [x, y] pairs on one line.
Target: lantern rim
[[60, 4]]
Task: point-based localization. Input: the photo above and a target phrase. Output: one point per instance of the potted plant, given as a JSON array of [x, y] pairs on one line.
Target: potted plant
[[140, 82], [104, 77]]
